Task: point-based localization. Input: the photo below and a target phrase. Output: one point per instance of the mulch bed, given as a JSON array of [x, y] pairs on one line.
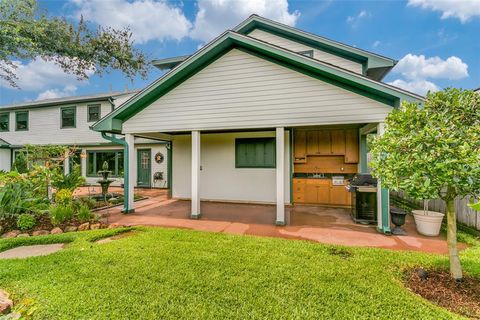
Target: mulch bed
[[440, 288]]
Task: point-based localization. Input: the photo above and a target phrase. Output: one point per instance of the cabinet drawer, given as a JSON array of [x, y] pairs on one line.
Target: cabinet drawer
[[299, 188], [299, 198]]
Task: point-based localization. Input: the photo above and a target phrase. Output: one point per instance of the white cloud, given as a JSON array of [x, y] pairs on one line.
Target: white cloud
[[461, 9], [418, 86], [39, 75], [57, 93], [376, 43], [147, 19], [215, 16], [415, 67], [354, 20]]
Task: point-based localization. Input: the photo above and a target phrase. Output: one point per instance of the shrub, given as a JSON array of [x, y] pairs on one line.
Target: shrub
[[64, 197], [26, 221], [16, 190], [71, 181], [84, 214], [60, 213], [20, 164], [86, 201]]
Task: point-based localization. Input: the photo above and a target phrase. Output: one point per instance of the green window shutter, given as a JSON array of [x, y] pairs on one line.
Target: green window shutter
[[4, 121], [255, 153]]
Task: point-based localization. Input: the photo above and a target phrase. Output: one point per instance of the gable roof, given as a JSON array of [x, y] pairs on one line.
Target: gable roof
[[66, 100], [230, 39], [375, 66]]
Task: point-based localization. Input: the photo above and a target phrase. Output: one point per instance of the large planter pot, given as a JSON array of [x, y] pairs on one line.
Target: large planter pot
[[428, 222]]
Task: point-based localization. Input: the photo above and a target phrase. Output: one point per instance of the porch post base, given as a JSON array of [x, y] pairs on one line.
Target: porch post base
[[128, 210], [385, 230], [196, 216], [280, 223]]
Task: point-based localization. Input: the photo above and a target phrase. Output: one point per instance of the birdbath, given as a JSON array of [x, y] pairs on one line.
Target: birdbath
[[105, 182]]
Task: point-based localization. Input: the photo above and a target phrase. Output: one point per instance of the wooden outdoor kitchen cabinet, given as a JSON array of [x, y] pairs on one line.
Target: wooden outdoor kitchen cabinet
[[351, 146], [320, 191]]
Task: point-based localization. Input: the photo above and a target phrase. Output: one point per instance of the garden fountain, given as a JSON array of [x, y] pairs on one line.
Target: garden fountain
[[105, 182]]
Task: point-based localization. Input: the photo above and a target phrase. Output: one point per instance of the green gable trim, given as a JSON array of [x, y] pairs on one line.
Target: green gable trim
[[370, 59], [230, 40], [169, 63]]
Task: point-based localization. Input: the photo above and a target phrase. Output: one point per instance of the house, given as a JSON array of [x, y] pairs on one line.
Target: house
[[67, 121], [264, 113]]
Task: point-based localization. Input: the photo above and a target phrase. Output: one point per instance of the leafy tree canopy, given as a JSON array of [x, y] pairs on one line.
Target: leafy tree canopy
[[434, 151], [28, 33]]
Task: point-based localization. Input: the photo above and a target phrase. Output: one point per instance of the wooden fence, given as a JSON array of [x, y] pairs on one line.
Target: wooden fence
[[465, 214]]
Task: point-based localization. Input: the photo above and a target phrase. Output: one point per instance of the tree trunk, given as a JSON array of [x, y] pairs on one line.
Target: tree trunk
[[455, 266]]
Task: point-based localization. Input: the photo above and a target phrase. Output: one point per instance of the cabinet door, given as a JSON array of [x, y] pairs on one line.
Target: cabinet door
[[312, 142], [310, 193], [323, 194], [338, 142], [351, 146], [300, 146], [339, 196], [324, 142]]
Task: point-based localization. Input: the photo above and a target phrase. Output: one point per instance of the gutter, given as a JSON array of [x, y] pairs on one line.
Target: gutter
[[126, 181]]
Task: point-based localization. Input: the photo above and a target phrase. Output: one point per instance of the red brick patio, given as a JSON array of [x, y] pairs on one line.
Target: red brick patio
[[314, 223]]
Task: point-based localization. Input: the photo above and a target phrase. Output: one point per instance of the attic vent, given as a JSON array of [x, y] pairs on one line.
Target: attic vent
[[308, 53]]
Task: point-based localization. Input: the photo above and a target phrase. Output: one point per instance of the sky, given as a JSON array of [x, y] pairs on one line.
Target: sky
[[436, 42]]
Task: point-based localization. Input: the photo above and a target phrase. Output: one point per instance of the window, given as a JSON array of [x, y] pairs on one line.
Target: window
[[308, 53], [4, 121], [95, 160], [93, 112], [21, 121], [68, 117], [75, 160], [255, 153]]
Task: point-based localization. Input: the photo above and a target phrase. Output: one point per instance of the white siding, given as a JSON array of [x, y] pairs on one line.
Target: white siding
[[219, 179], [5, 159], [240, 90], [44, 127], [295, 46]]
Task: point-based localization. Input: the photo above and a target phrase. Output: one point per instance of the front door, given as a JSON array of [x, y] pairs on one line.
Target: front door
[[144, 166]]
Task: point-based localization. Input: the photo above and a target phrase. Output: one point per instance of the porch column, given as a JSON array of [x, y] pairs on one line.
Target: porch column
[[66, 163], [280, 176], [195, 214], [130, 164], [383, 198]]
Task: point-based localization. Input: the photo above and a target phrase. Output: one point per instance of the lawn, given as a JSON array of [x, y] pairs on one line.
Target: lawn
[[161, 273]]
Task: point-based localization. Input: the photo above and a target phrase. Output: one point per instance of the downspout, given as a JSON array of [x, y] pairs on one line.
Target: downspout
[[126, 183]]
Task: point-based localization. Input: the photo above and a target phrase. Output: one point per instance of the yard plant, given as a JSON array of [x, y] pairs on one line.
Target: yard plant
[[165, 273], [431, 152]]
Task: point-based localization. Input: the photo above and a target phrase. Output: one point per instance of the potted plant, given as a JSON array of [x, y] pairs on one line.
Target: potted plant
[[432, 152], [428, 222]]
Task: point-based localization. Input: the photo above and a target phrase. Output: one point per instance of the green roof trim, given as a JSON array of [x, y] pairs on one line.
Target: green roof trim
[[231, 40], [375, 66], [169, 63]]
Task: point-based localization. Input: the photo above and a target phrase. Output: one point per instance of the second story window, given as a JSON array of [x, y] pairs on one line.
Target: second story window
[[93, 113], [21, 121], [68, 117], [4, 121]]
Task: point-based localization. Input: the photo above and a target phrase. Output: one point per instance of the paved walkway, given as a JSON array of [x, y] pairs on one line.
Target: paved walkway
[[31, 251], [320, 224]]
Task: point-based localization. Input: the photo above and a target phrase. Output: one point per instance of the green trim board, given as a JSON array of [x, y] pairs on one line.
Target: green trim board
[[169, 63], [63, 113], [229, 40], [4, 121], [385, 196], [170, 168], [363, 153], [369, 59], [17, 115]]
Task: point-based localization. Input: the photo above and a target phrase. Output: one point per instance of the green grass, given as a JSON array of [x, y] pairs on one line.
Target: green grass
[[172, 274]]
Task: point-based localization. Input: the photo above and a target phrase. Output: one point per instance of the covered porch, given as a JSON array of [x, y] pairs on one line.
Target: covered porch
[[313, 223]]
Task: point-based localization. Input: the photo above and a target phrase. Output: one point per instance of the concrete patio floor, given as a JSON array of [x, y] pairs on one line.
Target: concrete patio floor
[[314, 223]]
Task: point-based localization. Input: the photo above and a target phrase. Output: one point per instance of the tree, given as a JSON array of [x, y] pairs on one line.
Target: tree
[[433, 152], [27, 33]]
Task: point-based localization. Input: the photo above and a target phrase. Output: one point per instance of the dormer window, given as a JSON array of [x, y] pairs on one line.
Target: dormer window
[[68, 115], [308, 53]]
